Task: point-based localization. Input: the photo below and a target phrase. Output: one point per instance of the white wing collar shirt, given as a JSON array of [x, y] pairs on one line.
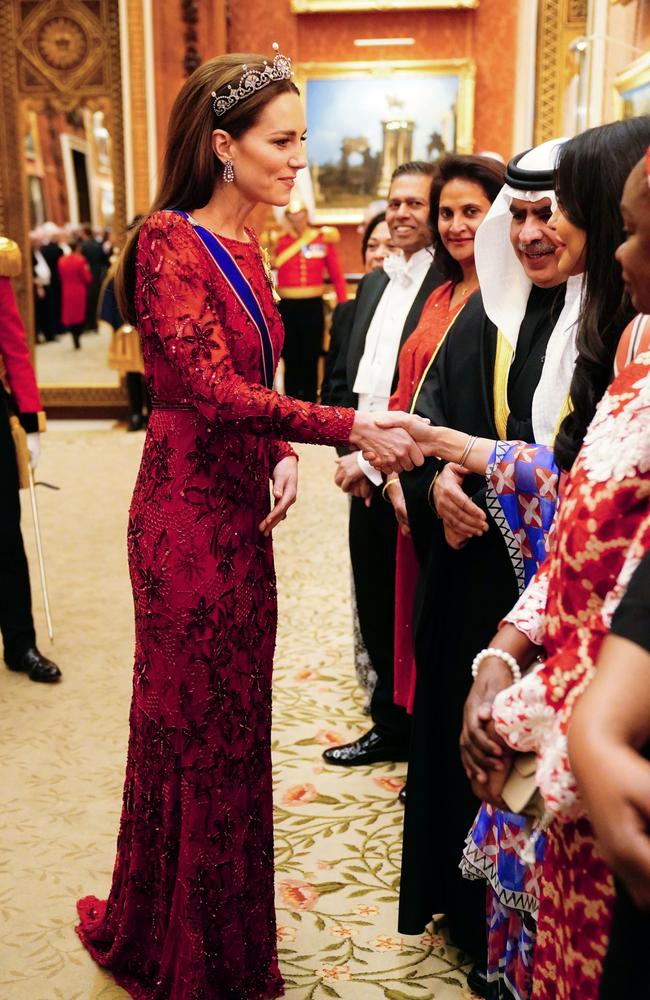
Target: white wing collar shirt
[[377, 366]]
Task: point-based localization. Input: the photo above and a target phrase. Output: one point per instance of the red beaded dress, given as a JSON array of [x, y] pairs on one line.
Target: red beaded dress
[[190, 913]]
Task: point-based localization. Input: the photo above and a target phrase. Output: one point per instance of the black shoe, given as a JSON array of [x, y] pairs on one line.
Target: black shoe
[[371, 748], [36, 666], [136, 422], [402, 795], [478, 983]]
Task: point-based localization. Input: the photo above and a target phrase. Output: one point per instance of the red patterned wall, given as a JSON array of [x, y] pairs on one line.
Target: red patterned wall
[[487, 34]]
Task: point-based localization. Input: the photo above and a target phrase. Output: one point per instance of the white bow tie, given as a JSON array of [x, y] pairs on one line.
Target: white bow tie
[[396, 267]]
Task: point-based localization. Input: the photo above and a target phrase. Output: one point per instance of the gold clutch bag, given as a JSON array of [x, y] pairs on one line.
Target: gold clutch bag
[[520, 792], [125, 351]]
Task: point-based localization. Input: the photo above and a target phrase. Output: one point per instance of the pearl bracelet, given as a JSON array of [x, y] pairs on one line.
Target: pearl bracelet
[[507, 658]]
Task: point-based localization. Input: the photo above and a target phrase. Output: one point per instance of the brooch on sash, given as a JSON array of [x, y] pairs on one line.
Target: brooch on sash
[[268, 271]]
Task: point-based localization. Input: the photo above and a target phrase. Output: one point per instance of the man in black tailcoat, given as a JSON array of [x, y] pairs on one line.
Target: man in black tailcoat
[[387, 309]]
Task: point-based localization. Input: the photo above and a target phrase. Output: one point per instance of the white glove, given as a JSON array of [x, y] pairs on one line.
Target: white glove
[[34, 448]]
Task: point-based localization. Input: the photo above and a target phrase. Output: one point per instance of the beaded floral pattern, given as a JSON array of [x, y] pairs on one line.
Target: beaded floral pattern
[[190, 913]]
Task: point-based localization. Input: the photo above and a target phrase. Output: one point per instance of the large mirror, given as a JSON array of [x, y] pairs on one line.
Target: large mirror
[[62, 180], [68, 165]]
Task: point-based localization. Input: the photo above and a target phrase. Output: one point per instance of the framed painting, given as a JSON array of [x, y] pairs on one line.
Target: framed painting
[[632, 89], [364, 119], [319, 6]]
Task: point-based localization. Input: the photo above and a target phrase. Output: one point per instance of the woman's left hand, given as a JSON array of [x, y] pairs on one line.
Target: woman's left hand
[[491, 790], [285, 489]]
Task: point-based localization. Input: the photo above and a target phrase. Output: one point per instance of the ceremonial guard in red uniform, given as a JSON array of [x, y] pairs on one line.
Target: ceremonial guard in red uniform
[[302, 255], [18, 398]]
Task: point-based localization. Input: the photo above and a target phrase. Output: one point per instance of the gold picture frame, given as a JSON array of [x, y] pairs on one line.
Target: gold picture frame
[[411, 109], [340, 6], [632, 89]]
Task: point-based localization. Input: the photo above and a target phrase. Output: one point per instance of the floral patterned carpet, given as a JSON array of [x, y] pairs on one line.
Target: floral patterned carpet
[[338, 832]]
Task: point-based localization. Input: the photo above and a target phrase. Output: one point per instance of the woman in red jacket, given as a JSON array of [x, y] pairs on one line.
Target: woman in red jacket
[[75, 277]]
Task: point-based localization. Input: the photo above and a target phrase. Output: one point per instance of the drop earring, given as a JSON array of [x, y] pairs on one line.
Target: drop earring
[[228, 172]]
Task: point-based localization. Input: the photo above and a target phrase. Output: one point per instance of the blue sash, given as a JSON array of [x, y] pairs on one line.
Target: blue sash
[[243, 292]]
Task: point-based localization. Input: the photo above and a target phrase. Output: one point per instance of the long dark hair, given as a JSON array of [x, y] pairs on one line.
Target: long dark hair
[[482, 170], [590, 175], [190, 169], [369, 230]]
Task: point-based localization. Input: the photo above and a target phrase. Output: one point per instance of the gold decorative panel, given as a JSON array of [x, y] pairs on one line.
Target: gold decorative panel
[[139, 109], [56, 55], [560, 22]]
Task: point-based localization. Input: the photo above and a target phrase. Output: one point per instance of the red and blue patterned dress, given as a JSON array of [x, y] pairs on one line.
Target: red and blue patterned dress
[[602, 532], [522, 497], [190, 912]]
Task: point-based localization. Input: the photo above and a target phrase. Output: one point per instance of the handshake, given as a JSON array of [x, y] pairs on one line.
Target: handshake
[[392, 441]]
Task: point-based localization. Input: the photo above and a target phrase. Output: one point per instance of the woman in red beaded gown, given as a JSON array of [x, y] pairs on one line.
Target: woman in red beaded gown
[[190, 912]]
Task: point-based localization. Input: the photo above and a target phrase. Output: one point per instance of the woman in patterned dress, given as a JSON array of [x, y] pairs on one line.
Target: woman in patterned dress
[[565, 612], [609, 736], [190, 912]]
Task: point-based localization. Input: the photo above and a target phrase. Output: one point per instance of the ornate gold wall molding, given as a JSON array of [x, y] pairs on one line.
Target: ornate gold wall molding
[[560, 22], [80, 396], [14, 219], [139, 110], [56, 54]]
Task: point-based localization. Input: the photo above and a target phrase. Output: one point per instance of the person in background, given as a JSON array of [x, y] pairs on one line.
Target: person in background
[[376, 244], [125, 350], [41, 280], [302, 256], [52, 253], [93, 251], [18, 396], [125, 354], [75, 277]]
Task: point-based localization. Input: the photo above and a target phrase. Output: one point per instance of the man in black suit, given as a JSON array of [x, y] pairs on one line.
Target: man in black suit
[[387, 309], [52, 253], [97, 260]]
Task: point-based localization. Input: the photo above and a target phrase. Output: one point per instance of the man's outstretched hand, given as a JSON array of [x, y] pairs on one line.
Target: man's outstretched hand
[[352, 479]]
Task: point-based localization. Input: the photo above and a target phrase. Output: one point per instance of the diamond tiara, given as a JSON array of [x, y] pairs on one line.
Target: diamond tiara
[[253, 80]]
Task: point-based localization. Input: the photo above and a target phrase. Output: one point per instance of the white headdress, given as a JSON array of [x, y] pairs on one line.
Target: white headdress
[[505, 287]]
